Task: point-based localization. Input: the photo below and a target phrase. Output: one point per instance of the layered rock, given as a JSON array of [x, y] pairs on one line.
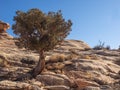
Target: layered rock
[[3, 27], [72, 66]]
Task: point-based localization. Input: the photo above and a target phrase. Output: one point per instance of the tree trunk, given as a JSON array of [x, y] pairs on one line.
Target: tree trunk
[[41, 64]]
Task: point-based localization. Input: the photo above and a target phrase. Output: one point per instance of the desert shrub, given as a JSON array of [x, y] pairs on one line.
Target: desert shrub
[[101, 46], [57, 58], [108, 47]]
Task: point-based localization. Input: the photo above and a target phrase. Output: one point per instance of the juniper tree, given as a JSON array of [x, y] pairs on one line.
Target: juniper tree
[[41, 32]]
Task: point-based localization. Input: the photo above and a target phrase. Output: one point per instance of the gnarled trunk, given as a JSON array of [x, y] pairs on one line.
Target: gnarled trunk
[[41, 64]]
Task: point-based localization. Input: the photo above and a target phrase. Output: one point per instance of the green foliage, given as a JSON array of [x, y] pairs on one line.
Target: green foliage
[[40, 31]]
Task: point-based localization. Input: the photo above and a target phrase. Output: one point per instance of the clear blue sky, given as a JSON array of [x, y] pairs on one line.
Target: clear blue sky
[[93, 20]]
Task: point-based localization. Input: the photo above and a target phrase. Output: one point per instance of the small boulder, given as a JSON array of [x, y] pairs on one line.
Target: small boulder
[[54, 79]]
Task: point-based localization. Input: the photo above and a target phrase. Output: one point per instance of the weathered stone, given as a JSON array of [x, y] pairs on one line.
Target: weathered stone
[[58, 65], [82, 83], [57, 87], [74, 44], [54, 79], [10, 85], [37, 83], [5, 35], [67, 62], [115, 76], [106, 87], [50, 80], [91, 88], [4, 26]]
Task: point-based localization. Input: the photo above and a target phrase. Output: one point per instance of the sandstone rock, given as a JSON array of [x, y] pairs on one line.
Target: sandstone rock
[[90, 68], [37, 83], [28, 60], [4, 26], [115, 76], [103, 79], [50, 80], [57, 87], [81, 83], [107, 53], [91, 88], [5, 35], [3, 61], [3, 73], [54, 79], [50, 67], [33, 87], [58, 65], [23, 77], [10, 85], [48, 73], [67, 62], [106, 87], [72, 44], [116, 85]]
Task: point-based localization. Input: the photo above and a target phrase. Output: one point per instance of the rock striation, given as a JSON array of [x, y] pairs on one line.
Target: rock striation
[[71, 66], [3, 27]]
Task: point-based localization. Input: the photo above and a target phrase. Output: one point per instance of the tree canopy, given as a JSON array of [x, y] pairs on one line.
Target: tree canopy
[[40, 31]]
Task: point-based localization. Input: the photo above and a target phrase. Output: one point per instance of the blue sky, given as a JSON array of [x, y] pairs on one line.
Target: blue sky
[[93, 20]]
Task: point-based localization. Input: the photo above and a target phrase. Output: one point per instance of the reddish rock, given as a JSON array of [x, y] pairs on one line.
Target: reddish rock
[[4, 26]]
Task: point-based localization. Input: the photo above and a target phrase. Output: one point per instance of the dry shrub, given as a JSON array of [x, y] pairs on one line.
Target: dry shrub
[[57, 58]]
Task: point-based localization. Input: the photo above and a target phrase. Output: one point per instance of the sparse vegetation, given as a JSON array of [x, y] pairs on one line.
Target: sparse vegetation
[[101, 46], [57, 58], [41, 32]]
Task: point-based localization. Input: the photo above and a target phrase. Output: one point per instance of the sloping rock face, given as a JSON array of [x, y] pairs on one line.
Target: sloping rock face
[[74, 44], [5, 35], [71, 66]]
